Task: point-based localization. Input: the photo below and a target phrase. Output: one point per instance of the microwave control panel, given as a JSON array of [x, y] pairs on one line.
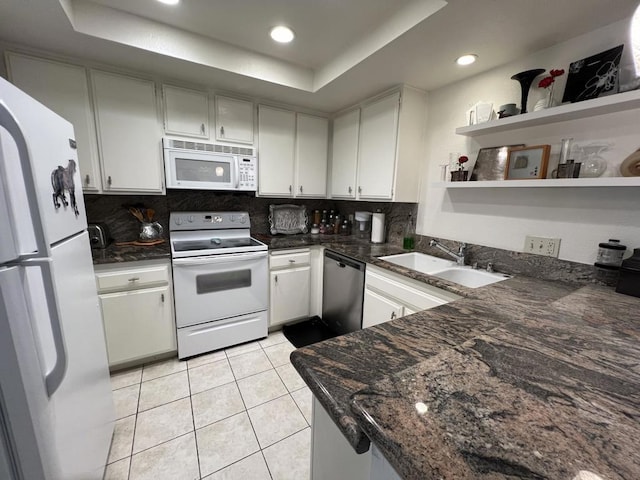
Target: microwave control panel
[[247, 173]]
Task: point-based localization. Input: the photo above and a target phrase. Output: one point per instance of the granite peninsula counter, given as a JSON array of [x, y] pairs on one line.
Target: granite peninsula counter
[[524, 378]]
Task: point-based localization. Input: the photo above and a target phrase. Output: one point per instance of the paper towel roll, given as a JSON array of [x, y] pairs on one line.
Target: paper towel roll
[[377, 228]]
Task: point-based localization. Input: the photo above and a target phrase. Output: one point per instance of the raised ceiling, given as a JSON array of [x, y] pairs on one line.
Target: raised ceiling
[[344, 50]]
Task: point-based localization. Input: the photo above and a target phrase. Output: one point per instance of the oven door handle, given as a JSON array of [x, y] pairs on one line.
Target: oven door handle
[[215, 259]]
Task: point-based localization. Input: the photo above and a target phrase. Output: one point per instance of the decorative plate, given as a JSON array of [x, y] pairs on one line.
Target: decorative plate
[[288, 219]]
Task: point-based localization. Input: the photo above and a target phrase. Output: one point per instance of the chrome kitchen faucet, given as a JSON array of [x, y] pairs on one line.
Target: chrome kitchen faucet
[[458, 256]]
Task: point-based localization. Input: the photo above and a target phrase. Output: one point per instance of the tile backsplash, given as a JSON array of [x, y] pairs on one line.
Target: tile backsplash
[[113, 210]]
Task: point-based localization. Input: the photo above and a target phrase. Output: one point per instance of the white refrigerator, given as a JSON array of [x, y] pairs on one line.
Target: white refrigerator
[[56, 406]]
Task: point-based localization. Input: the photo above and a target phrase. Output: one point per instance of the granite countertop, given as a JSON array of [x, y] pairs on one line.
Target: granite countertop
[[524, 378], [130, 253]]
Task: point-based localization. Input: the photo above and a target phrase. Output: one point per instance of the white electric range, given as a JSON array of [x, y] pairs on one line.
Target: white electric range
[[220, 281]]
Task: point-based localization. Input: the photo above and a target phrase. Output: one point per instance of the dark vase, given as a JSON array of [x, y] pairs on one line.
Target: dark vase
[[526, 79]]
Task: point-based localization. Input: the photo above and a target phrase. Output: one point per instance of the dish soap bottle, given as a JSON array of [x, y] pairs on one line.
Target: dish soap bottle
[[408, 240]]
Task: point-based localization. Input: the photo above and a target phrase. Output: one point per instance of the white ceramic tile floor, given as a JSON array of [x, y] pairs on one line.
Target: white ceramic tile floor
[[237, 414]]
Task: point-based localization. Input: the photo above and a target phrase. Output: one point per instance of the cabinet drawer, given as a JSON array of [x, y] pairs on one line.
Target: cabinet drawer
[[132, 279], [290, 259]]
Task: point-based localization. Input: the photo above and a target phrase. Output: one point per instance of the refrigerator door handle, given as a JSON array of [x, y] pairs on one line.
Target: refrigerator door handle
[[8, 121], [52, 379]]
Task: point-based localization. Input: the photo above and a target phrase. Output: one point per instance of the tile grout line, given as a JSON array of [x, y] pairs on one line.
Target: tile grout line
[[246, 411], [193, 421], [135, 424]]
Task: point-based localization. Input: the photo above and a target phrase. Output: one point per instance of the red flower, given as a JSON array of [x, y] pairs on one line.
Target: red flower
[[463, 159], [546, 82]]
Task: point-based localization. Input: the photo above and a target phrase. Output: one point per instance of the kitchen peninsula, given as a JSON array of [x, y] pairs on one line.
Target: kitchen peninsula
[[521, 379]]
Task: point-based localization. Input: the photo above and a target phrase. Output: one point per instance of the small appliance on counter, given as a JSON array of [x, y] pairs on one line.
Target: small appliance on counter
[[629, 281], [98, 235], [362, 226]]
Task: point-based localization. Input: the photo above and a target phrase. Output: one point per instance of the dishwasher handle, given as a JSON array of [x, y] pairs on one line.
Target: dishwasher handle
[[344, 261]]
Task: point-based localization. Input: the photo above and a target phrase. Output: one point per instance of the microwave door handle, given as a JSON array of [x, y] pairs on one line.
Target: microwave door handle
[[8, 121], [237, 168]]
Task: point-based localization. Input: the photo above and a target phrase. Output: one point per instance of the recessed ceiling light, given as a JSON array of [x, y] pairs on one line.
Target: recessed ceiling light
[[282, 34], [170, 2], [467, 59]]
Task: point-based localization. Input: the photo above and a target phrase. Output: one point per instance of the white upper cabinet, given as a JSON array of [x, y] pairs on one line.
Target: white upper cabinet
[[377, 148], [345, 154], [65, 90], [312, 139], [292, 153], [128, 133], [234, 120], [276, 151], [186, 112]]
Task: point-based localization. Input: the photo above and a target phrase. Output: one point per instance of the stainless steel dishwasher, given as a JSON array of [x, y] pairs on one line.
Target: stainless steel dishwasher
[[342, 293]]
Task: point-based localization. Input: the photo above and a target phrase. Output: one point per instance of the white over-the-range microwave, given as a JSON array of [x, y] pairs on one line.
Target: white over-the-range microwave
[[209, 166]]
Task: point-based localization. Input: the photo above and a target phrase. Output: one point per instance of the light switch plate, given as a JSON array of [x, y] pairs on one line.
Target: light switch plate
[[549, 247]]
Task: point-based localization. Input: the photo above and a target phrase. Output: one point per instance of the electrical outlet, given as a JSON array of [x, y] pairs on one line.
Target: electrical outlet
[[549, 247]]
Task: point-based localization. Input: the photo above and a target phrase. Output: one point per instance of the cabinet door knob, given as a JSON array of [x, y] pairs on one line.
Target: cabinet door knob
[[359, 189], [109, 180], [350, 190], [300, 188], [291, 260], [202, 129], [290, 189], [87, 179], [162, 297], [393, 315], [134, 279], [222, 131], [276, 279]]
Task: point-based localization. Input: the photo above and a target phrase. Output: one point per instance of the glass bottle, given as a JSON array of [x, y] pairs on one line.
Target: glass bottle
[[337, 221], [408, 240]]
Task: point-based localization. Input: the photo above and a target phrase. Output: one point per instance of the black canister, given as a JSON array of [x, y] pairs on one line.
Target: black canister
[[629, 280]]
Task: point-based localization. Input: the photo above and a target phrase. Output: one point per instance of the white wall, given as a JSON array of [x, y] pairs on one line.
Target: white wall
[[581, 217]]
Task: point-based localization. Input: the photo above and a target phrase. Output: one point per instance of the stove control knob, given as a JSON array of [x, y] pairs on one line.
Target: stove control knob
[[217, 219], [243, 219], [178, 220], [191, 218]]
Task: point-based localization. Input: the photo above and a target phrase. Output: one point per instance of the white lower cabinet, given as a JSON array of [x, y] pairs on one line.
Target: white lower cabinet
[[388, 296], [332, 457], [289, 285], [137, 310], [378, 309]]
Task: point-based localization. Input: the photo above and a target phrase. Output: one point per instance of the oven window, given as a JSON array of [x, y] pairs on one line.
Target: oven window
[[202, 170], [219, 282]]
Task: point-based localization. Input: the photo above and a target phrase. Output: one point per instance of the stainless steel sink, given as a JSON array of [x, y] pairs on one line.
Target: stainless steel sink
[[468, 277], [420, 262]]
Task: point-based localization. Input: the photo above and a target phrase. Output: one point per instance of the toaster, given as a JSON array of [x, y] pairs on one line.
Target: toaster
[[98, 235]]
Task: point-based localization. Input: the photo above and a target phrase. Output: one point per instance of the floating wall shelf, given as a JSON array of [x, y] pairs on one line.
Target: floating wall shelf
[[573, 111], [569, 182]]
